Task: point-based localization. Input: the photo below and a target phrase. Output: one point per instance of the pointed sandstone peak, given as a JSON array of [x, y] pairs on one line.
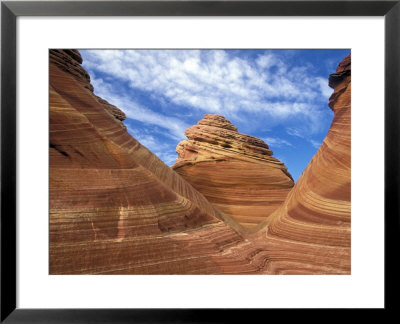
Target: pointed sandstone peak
[[114, 206], [325, 219], [69, 61], [343, 70], [235, 172], [345, 65], [216, 137], [340, 81], [217, 121]]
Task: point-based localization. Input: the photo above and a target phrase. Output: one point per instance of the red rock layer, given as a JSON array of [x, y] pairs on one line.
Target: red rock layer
[[115, 208], [316, 215], [70, 61], [311, 232], [234, 171]]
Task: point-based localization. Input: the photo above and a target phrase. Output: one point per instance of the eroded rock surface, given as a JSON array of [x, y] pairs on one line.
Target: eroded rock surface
[[310, 233], [235, 172], [317, 212], [115, 208]]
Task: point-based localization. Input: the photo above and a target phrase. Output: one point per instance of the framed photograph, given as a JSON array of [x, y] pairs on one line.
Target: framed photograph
[[188, 161]]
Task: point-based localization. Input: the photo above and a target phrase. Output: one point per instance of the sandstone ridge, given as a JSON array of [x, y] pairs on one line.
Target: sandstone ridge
[[115, 208], [235, 172], [317, 211]]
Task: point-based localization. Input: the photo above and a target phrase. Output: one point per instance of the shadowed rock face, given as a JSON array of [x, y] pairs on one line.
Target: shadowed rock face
[[234, 171], [115, 208]]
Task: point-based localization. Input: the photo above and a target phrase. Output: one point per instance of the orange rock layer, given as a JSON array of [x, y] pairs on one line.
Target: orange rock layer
[[317, 210], [234, 171], [113, 204], [115, 208]]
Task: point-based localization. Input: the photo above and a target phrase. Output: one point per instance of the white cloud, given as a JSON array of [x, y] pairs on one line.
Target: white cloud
[[277, 142], [325, 89], [174, 126], [213, 81], [314, 143], [266, 61], [304, 135], [164, 151], [145, 139], [294, 132]]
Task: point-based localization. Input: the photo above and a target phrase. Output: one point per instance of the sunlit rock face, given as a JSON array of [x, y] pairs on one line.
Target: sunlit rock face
[[115, 208], [316, 213], [310, 232], [235, 172]]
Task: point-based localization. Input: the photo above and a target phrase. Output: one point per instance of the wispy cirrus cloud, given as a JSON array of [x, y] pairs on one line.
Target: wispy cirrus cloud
[[296, 132], [282, 93], [314, 143], [175, 127], [277, 142], [325, 89], [214, 81], [163, 150]]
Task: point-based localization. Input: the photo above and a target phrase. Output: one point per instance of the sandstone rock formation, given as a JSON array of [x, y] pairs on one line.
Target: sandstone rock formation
[[113, 204], [234, 171], [311, 231], [317, 212], [116, 208]]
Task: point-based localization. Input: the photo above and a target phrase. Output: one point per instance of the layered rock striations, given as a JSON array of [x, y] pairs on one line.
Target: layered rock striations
[[318, 208], [115, 208], [316, 216], [235, 172], [310, 233]]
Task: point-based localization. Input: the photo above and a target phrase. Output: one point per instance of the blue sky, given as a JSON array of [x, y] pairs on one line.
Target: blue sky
[[280, 96]]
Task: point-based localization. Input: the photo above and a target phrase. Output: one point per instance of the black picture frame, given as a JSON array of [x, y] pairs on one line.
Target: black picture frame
[[10, 10]]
